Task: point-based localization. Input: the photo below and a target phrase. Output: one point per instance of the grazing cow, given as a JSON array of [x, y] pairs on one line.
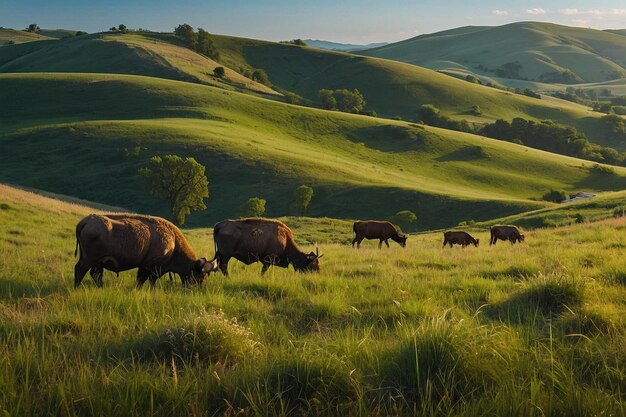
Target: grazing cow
[[267, 241], [510, 233], [459, 238], [119, 242], [373, 229]]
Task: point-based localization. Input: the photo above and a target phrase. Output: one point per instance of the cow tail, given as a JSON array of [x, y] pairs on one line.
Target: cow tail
[[217, 253], [79, 229]]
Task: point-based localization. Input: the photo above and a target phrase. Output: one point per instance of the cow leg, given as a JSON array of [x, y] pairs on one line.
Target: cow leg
[[79, 273], [358, 243], [265, 267], [142, 276], [387, 242], [380, 243], [223, 265], [445, 242], [354, 241], [96, 273]]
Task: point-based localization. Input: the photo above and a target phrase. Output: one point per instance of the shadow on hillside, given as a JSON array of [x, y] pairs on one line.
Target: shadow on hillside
[[390, 138], [467, 153]]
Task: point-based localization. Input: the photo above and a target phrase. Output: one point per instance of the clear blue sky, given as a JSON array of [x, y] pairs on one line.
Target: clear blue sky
[[356, 21]]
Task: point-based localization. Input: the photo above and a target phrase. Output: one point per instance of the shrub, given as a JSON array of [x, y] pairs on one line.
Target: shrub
[[619, 211], [292, 98], [260, 76], [254, 207], [219, 72], [209, 337], [603, 169], [555, 196], [403, 218]]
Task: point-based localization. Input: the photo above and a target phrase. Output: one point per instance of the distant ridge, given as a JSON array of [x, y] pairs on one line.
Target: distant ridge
[[346, 47], [532, 51]]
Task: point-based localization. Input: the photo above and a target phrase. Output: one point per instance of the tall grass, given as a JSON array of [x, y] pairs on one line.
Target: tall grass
[[415, 331]]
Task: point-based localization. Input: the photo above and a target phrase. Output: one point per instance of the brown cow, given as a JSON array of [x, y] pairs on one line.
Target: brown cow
[[510, 233], [373, 229], [459, 238], [267, 241], [119, 242]]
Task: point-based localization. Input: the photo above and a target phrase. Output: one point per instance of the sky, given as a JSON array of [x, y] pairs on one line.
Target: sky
[[348, 21]]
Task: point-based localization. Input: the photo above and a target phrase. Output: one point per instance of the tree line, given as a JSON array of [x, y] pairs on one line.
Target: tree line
[[546, 135]]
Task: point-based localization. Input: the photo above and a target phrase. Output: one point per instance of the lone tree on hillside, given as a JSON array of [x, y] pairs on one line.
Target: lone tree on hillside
[[260, 76], [122, 28], [254, 207], [302, 199], [404, 218], [219, 72], [181, 181], [32, 28]]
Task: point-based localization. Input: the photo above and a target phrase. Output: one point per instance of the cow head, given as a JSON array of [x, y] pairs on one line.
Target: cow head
[[200, 268], [522, 237], [476, 242], [403, 239], [309, 263]]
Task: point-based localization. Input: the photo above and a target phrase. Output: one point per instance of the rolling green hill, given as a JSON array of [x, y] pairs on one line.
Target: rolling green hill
[[152, 54], [543, 49], [11, 36], [391, 88], [86, 136]]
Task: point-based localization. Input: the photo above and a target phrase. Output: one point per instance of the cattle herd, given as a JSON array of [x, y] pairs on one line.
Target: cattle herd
[[119, 242]]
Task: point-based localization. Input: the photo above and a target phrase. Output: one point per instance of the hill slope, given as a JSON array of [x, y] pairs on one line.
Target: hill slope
[[544, 51], [152, 54], [359, 166], [11, 36], [336, 46]]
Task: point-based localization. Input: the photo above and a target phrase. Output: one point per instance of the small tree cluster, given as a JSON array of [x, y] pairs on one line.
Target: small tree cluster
[[342, 100], [432, 116], [121, 28], [297, 42], [33, 28], [200, 42], [219, 72]]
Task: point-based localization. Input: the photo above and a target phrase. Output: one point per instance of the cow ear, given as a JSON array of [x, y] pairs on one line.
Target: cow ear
[[199, 264]]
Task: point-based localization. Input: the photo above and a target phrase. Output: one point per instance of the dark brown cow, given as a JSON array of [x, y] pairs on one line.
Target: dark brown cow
[[267, 241], [119, 242], [458, 238], [510, 233], [372, 229]]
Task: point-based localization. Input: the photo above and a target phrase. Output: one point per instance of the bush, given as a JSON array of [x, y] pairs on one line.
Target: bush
[[602, 169], [254, 207], [403, 218], [619, 211], [342, 100], [292, 98], [555, 196], [219, 72], [261, 77], [209, 337]]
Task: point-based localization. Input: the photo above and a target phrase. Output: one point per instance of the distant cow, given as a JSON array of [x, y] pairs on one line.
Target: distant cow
[[119, 242], [458, 238], [510, 233], [372, 229], [267, 241]]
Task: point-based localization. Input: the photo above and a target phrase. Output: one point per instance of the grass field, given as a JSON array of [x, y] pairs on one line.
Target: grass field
[[359, 166], [11, 36], [536, 329], [541, 48]]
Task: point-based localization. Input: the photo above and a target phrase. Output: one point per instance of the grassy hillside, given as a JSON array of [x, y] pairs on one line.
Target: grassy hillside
[[359, 166], [152, 54], [531, 330], [390, 88], [11, 36], [541, 48]]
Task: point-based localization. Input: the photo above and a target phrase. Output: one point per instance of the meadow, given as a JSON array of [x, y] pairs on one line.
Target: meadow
[[359, 166], [535, 329]]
